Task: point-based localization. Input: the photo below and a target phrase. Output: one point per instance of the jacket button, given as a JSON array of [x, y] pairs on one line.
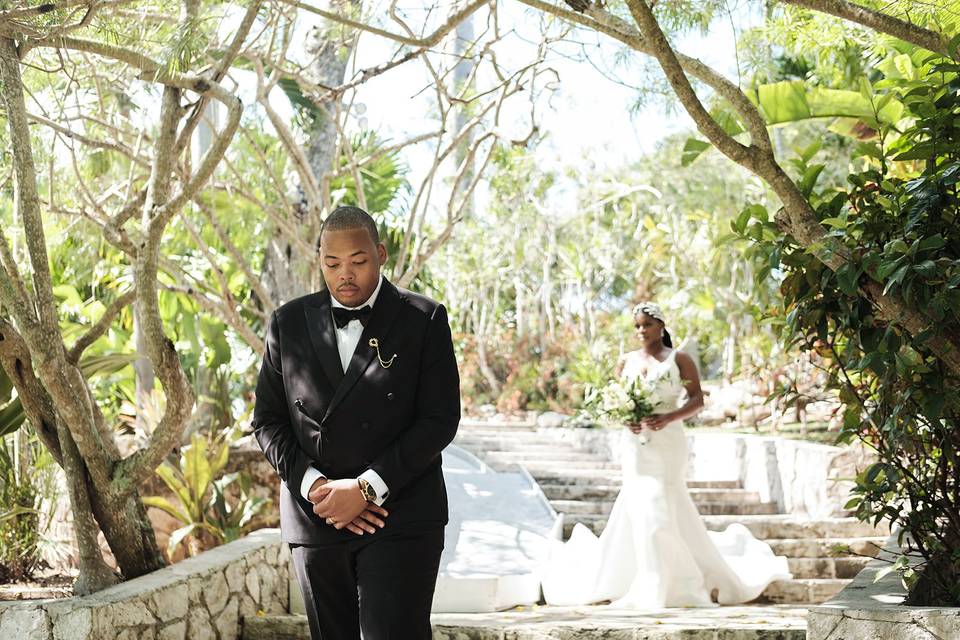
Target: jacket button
[[390, 396], [365, 425]]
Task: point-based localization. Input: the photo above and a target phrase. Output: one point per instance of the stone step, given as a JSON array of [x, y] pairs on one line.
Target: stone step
[[513, 435], [744, 622], [596, 501], [803, 590], [483, 448], [526, 458], [580, 477], [844, 568], [497, 426], [826, 547], [791, 526], [714, 484], [704, 506], [603, 492], [569, 467], [764, 527], [580, 492]]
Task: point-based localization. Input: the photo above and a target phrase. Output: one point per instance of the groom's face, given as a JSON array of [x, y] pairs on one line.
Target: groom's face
[[351, 264]]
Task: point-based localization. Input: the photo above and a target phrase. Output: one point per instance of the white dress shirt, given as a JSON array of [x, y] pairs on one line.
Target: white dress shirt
[[347, 339]]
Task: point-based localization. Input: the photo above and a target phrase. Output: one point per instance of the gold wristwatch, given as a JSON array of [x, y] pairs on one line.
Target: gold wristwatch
[[367, 490]]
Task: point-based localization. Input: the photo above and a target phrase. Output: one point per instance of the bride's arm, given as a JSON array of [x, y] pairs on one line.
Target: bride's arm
[[618, 370], [691, 382]]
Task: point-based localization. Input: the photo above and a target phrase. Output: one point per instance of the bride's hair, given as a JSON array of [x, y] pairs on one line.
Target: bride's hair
[[655, 312], [667, 340]]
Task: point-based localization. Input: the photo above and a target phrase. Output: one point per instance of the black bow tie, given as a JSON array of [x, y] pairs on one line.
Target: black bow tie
[[342, 317]]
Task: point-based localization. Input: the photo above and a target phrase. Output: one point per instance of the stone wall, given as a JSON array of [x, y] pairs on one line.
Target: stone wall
[[201, 598], [869, 609], [788, 472]]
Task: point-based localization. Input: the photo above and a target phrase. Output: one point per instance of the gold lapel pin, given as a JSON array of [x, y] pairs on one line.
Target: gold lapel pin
[[376, 345]]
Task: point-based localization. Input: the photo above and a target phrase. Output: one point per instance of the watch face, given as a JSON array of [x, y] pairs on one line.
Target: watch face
[[367, 490]]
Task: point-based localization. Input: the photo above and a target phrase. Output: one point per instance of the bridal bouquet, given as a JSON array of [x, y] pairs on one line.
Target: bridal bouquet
[[618, 402]]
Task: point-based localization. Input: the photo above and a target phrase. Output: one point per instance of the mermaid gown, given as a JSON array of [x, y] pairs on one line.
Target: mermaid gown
[[655, 551]]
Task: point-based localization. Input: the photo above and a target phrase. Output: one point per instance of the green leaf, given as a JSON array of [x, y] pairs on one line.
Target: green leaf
[[178, 537], [847, 278], [809, 179], [12, 417], [740, 224], [197, 471], [692, 149], [783, 102], [165, 505], [931, 243], [169, 476]]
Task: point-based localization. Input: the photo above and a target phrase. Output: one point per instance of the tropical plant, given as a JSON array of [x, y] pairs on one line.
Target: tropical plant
[[200, 490], [25, 482]]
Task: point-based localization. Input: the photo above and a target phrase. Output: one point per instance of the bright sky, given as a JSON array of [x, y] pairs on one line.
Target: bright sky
[[588, 118]]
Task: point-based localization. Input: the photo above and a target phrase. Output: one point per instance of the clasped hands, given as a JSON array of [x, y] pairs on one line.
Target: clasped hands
[[650, 423], [343, 506]]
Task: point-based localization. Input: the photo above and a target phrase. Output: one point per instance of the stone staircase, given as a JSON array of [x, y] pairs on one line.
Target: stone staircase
[[583, 485]]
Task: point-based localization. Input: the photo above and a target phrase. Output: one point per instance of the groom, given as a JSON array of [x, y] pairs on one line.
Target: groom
[[357, 396]]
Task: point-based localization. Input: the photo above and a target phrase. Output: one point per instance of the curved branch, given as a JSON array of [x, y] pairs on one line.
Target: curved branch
[[433, 39], [100, 328], [611, 25], [663, 52], [881, 22]]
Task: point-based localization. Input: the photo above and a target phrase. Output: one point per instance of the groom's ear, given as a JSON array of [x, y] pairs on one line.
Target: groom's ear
[[382, 253]]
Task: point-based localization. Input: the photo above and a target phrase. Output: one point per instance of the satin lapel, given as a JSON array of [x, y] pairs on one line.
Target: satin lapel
[[320, 328], [385, 311]]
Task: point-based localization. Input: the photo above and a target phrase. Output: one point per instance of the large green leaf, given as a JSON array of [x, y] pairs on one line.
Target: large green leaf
[[169, 475], [165, 505], [12, 417], [794, 100], [196, 468], [783, 102]]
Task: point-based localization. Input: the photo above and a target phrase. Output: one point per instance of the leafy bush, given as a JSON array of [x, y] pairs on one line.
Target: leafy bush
[[898, 219], [24, 481]]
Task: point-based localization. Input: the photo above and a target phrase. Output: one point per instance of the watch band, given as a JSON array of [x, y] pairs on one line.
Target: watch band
[[367, 490]]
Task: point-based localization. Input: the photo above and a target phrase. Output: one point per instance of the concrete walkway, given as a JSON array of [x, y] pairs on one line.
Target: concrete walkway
[[771, 622]]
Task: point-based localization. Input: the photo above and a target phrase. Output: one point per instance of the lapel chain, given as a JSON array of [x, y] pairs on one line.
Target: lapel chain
[[376, 345]]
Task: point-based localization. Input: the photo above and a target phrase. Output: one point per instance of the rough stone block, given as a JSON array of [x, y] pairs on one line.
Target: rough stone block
[[228, 620], [26, 623], [175, 631], [170, 603], [73, 624], [216, 593]]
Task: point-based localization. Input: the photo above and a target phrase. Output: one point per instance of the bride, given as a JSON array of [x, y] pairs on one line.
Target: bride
[[655, 551]]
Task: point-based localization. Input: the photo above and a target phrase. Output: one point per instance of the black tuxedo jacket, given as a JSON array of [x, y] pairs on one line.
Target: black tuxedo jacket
[[393, 420]]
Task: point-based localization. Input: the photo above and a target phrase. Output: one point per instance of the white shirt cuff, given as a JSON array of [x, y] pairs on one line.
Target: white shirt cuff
[[378, 485], [309, 477]]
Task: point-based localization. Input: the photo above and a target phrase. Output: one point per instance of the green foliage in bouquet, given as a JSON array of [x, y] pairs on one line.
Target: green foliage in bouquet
[[621, 402]]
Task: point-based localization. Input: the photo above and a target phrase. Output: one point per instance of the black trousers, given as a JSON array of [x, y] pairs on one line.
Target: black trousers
[[380, 585]]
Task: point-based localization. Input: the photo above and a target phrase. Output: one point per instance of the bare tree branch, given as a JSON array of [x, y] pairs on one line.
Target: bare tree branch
[[100, 328], [431, 40]]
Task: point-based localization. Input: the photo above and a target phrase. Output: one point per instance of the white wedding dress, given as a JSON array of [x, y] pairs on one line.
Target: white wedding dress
[[655, 551]]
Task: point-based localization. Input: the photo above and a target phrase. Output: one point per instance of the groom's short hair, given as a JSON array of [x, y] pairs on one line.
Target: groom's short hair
[[348, 217]]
